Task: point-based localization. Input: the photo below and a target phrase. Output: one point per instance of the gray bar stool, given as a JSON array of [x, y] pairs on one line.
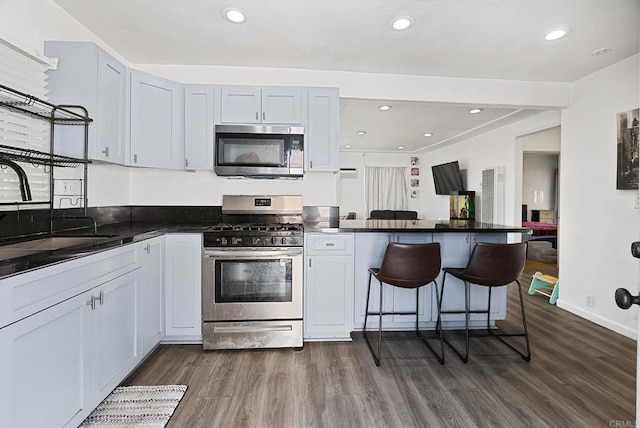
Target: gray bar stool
[[406, 266], [490, 265]]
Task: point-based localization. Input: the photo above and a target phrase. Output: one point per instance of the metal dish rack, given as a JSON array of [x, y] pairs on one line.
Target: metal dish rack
[[71, 115]]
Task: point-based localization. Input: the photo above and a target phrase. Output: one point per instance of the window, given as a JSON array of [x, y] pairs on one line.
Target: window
[[21, 72], [386, 188]]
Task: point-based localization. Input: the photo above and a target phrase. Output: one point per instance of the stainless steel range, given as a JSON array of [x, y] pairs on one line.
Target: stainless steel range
[[252, 274]]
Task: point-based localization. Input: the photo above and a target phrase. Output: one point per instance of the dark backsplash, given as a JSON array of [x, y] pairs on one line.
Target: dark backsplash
[[15, 224]]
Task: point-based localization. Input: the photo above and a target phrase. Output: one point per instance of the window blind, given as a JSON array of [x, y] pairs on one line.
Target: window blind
[[18, 71]]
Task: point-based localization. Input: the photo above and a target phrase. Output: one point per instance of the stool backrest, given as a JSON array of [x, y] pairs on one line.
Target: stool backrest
[[496, 264], [410, 265]]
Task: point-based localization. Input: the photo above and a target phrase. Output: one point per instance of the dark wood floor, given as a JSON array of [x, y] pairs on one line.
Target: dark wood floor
[[580, 375]]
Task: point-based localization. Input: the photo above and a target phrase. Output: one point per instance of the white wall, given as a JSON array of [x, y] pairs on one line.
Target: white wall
[[500, 147], [598, 222], [352, 190], [538, 181], [547, 141]]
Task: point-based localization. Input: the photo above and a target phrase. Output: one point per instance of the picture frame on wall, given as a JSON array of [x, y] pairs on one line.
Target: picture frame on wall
[[627, 150]]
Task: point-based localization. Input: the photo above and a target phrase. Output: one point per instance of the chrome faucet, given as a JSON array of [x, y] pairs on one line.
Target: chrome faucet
[[25, 191]]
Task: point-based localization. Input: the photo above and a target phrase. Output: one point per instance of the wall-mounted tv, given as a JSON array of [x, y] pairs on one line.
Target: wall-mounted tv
[[447, 178]]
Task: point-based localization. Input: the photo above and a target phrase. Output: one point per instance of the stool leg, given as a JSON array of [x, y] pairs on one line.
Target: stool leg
[[380, 329], [554, 294], [527, 356], [465, 357], [489, 311], [364, 331], [467, 319]]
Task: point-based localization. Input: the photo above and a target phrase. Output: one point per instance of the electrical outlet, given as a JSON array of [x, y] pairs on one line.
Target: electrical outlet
[[588, 301]]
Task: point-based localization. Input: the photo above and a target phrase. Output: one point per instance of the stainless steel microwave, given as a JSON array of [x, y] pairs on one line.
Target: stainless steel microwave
[[259, 150]]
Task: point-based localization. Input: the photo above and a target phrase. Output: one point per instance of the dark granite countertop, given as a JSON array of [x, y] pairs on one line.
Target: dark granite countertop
[[459, 226], [36, 251]]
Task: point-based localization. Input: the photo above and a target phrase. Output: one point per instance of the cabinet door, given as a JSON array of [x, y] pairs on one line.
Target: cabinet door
[[150, 292], [369, 250], [156, 122], [183, 287], [88, 76], [198, 127], [114, 347], [282, 105], [240, 104], [45, 367], [110, 121], [322, 133], [328, 297]]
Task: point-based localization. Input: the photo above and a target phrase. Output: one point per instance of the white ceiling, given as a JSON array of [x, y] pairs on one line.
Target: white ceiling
[[496, 39]]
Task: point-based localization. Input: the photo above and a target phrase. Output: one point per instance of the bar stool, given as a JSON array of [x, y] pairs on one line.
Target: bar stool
[[406, 266], [490, 265]]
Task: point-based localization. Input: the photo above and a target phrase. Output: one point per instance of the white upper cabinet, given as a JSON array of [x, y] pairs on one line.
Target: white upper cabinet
[[198, 126], [88, 76], [156, 122], [322, 130], [251, 104]]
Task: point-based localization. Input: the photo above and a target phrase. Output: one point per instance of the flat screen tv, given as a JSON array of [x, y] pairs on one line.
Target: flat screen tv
[[447, 178]]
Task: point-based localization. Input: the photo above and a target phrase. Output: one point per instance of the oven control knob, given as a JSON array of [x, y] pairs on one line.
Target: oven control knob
[[283, 241], [223, 241], [234, 240], [256, 241], [274, 241]]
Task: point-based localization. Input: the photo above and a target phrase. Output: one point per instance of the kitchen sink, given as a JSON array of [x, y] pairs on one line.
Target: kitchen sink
[[56, 243]]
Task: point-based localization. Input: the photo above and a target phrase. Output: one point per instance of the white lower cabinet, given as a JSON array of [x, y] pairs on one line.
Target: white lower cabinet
[[58, 364], [45, 367], [114, 346], [150, 294], [183, 288], [328, 294]]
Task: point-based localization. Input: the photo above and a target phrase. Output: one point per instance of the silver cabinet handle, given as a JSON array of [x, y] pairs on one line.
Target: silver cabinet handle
[[311, 164], [147, 248], [100, 298], [256, 115], [186, 163], [264, 116], [135, 158], [92, 303], [106, 152]]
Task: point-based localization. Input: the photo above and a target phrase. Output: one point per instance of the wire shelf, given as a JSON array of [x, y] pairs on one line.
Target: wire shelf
[[23, 103], [38, 158]]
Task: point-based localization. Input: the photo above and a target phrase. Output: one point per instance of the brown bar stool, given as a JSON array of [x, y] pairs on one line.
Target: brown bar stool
[[406, 266], [490, 265]]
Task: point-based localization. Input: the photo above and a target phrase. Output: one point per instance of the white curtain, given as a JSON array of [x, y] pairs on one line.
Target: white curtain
[[386, 188]]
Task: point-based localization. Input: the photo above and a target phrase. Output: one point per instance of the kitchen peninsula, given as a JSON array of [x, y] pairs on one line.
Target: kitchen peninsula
[[339, 254]]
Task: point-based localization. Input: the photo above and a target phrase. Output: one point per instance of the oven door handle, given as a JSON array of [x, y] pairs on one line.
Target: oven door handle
[[228, 254]]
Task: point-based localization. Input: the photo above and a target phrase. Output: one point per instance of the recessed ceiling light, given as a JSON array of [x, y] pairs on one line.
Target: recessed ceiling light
[[234, 15], [556, 34], [428, 134], [361, 132], [401, 23], [475, 110], [347, 146], [400, 147], [385, 108]]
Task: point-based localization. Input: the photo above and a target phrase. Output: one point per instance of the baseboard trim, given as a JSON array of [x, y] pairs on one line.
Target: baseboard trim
[[597, 319]]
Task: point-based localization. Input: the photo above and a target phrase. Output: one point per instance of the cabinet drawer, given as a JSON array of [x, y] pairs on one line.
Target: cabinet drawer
[[334, 244], [25, 294]]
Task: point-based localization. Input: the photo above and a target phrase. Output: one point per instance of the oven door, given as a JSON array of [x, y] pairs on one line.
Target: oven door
[[242, 284]]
